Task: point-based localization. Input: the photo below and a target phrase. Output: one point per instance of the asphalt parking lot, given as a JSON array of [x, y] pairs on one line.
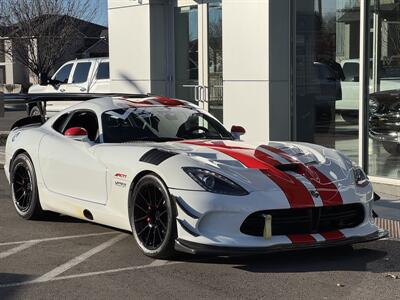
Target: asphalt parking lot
[[66, 258]]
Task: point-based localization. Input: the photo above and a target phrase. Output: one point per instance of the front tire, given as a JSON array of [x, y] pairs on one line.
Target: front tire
[[24, 188], [152, 215], [392, 148]]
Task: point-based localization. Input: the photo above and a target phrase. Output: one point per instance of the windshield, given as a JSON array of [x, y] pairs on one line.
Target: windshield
[[160, 123]]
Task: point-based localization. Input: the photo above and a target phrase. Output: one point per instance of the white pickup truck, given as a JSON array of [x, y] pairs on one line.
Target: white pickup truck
[[90, 75], [349, 105]]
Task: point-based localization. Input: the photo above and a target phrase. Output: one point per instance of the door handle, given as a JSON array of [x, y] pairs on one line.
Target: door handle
[[62, 90], [83, 89]]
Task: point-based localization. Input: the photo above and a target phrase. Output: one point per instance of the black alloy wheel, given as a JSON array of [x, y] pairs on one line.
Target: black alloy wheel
[[24, 188], [152, 217]]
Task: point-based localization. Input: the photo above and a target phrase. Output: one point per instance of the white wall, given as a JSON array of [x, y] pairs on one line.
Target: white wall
[[137, 46], [256, 67], [129, 32]]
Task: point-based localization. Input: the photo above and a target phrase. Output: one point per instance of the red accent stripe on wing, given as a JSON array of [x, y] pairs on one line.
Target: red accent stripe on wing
[[333, 235], [295, 191], [302, 238], [328, 191]]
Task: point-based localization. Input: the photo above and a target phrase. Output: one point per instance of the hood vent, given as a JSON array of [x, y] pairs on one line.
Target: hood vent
[[288, 167], [156, 156]]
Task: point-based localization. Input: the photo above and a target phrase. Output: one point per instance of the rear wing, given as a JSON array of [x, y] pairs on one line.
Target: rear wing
[[41, 99]]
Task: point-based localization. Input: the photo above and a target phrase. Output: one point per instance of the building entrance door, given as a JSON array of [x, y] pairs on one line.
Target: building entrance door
[[198, 53]]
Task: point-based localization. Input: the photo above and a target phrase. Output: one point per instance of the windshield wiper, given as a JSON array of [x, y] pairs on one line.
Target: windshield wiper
[[155, 139]]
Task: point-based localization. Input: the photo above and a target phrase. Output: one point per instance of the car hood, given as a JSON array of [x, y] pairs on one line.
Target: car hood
[[241, 159]]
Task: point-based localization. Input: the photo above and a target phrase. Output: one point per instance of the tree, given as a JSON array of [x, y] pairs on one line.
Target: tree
[[48, 25]]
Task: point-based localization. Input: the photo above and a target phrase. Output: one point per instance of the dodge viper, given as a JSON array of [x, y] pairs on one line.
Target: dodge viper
[[171, 174]]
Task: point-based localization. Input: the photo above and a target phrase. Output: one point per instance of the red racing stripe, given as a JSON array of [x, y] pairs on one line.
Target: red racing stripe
[[333, 235], [328, 191], [302, 238], [297, 194]]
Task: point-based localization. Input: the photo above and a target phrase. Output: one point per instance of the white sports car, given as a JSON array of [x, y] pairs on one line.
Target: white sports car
[[178, 180]]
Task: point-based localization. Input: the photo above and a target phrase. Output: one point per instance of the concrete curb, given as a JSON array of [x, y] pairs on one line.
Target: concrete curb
[[3, 137]]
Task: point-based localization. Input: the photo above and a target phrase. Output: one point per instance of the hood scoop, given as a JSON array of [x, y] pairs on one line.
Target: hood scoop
[[288, 167]]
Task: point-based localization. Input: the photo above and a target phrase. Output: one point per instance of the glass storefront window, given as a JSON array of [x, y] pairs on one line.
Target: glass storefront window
[[327, 79], [384, 90]]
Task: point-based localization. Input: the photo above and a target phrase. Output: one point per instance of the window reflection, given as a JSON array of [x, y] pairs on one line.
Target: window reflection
[[327, 79]]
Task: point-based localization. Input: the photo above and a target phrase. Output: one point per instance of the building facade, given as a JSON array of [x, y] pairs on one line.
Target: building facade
[[320, 71]]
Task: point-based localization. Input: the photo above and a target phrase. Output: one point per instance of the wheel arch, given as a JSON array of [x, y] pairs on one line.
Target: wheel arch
[[16, 153]]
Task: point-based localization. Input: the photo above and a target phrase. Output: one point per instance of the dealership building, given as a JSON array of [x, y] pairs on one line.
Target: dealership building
[[304, 70]]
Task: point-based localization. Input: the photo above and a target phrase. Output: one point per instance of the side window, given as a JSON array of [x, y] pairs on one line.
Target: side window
[[63, 74], [60, 122], [350, 70], [87, 120], [81, 72], [104, 71]]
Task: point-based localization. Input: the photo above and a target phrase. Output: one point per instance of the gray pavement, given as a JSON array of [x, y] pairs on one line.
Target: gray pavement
[[65, 258], [2, 153]]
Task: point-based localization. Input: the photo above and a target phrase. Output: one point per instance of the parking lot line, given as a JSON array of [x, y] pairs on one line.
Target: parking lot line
[[17, 249], [154, 264], [58, 238], [79, 259]]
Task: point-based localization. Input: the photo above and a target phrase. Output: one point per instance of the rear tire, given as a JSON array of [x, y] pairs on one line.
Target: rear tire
[[392, 148], [24, 188], [152, 216]]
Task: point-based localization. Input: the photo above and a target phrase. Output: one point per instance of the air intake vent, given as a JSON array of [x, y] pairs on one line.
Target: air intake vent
[[156, 156]]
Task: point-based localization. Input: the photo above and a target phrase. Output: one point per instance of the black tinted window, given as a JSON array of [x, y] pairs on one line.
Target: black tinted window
[[160, 123], [350, 71], [84, 119], [81, 72], [104, 71], [59, 124], [63, 74]]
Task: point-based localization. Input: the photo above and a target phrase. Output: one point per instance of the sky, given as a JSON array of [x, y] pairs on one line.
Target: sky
[[101, 17]]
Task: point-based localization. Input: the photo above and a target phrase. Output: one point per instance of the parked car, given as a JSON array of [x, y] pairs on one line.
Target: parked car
[[349, 105], [90, 75], [384, 119], [176, 178]]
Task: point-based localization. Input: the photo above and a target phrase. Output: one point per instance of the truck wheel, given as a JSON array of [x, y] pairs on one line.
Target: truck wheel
[[35, 111], [392, 148]]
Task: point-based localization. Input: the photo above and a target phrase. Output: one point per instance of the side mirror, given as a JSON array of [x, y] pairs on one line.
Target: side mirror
[[77, 133], [237, 132], [43, 80]]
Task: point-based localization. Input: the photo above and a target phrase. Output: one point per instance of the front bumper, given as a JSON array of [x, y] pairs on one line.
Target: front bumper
[[195, 248], [215, 220]]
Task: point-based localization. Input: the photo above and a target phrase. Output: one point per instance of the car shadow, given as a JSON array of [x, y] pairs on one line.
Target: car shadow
[[373, 257], [11, 278]]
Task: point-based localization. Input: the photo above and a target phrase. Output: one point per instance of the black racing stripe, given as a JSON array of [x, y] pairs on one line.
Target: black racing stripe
[[186, 210], [156, 156], [187, 229]]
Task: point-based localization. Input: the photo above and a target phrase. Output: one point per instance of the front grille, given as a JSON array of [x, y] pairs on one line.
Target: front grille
[[305, 220]]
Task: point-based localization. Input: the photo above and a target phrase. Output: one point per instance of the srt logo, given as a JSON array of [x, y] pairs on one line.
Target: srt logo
[[315, 194]]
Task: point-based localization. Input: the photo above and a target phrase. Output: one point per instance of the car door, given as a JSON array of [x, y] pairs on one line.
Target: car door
[[101, 82], [80, 78], [69, 167], [350, 87]]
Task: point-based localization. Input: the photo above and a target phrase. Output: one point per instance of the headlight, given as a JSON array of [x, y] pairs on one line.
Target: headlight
[[360, 178], [214, 182], [373, 106]]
